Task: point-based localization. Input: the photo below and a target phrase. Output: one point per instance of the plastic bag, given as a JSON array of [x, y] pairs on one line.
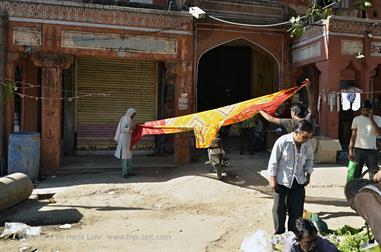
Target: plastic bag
[[351, 170], [259, 241], [283, 242], [321, 225], [19, 230]]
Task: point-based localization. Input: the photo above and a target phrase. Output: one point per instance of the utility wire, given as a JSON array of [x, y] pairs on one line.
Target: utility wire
[[249, 25], [264, 25]]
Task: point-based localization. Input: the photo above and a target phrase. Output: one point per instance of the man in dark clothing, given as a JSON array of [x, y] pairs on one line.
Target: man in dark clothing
[[247, 136], [308, 240], [298, 112], [365, 198]]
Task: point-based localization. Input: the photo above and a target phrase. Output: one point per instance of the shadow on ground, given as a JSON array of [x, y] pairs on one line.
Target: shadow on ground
[[28, 212], [243, 172]]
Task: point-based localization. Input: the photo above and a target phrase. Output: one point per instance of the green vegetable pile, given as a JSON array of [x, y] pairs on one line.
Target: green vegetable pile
[[349, 239]]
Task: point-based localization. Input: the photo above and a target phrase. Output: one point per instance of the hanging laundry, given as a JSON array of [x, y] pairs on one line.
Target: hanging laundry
[[338, 97], [345, 102], [318, 103], [357, 102], [331, 100], [324, 95]]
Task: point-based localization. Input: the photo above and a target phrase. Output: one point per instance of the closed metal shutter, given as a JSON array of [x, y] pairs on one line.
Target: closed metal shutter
[[130, 83]]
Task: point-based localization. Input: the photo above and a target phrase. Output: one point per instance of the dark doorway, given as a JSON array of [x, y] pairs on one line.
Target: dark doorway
[[346, 116], [224, 76]]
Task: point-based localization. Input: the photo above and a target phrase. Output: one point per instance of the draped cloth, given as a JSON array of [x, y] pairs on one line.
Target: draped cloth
[[206, 124]]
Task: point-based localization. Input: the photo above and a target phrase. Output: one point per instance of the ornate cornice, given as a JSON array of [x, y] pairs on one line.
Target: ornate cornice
[[339, 26], [97, 14], [354, 25], [311, 33]]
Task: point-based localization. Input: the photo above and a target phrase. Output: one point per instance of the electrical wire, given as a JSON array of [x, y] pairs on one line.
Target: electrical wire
[[264, 25], [250, 25]]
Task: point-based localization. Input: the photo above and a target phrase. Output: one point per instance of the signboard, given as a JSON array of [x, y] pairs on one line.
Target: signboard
[[183, 103], [375, 49], [307, 52], [351, 46]]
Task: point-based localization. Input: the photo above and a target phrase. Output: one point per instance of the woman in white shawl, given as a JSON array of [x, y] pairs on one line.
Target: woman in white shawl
[[123, 138]]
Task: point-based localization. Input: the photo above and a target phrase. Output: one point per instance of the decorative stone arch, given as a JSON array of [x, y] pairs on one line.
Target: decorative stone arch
[[263, 50], [255, 46]]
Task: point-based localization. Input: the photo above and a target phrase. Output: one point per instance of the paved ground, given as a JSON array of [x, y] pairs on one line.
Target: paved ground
[[166, 208]]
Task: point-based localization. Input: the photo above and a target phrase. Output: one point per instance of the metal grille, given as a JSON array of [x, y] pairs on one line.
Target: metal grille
[[129, 83]]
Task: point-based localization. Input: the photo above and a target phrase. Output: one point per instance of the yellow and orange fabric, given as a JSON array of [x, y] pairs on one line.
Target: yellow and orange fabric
[[206, 124]]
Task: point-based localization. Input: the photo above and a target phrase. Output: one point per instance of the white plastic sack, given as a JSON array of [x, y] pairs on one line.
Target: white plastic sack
[[19, 230], [259, 241]]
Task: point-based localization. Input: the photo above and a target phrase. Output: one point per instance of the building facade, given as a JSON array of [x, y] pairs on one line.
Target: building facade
[[79, 65]]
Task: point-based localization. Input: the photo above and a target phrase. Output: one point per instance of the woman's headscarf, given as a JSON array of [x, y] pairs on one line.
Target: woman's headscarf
[[130, 112], [125, 120]]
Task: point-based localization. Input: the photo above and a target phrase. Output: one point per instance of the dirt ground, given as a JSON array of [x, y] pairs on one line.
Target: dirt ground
[[168, 209]]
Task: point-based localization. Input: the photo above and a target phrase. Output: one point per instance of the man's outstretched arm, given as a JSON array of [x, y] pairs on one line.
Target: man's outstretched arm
[[309, 94], [270, 118]]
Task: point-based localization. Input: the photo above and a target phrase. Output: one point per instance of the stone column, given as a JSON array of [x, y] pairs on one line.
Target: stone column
[[3, 46], [330, 80], [51, 108], [9, 109], [184, 92]]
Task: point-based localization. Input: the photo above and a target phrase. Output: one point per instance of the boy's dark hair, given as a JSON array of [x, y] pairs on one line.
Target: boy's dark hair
[[353, 187], [304, 125], [366, 104], [303, 226], [299, 109]]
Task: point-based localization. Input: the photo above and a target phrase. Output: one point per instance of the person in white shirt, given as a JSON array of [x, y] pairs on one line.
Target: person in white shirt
[[290, 167], [362, 145]]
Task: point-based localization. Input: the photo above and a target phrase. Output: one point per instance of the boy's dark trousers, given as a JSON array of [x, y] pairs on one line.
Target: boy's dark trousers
[[367, 156], [287, 199]]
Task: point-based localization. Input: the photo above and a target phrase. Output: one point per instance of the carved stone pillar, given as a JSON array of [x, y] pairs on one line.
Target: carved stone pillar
[[3, 45], [9, 109], [184, 104], [51, 108]]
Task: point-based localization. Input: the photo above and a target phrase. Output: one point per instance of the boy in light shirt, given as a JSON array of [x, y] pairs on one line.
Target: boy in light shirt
[[362, 147]]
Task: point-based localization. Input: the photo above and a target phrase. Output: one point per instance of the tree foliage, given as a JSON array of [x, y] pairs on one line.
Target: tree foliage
[[320, 11]]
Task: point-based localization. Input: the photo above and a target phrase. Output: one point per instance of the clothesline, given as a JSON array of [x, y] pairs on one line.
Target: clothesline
[[361, 92], [14, 90]]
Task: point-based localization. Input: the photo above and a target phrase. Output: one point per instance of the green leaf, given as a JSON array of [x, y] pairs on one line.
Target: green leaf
[[9, 87]]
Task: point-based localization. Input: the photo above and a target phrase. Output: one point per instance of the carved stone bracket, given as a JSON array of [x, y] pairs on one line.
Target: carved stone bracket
[[49, 60]]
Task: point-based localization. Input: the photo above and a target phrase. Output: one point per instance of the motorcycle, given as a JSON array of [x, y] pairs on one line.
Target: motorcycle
[[217, 158]]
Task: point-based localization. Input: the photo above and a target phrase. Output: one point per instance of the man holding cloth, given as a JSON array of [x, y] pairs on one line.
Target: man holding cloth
[[290, 167]]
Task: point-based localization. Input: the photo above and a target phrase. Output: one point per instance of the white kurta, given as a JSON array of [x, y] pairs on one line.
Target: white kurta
[[123, 138]]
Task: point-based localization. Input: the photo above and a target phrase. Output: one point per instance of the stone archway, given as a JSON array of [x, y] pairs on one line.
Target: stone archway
[[233, 71]]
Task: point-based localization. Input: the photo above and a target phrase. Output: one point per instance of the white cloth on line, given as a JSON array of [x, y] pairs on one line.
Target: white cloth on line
[[357, 103], [318, 103], [331, 101], [345, 102], [338, 102]]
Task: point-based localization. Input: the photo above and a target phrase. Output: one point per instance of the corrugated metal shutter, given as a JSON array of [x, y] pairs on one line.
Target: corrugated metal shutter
[[130, 83]]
